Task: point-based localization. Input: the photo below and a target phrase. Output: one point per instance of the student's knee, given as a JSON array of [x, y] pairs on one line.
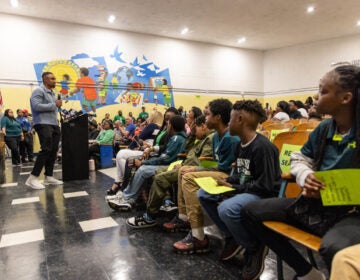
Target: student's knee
[[329, 247], [227, 210]]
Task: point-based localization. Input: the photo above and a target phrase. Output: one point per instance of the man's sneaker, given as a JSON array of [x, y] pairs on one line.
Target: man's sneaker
[[255, 264], [176, 224], [231, 249], [168, 206], [143, 221], [191, 245], [50, 180], [34, 183], [120, 204]]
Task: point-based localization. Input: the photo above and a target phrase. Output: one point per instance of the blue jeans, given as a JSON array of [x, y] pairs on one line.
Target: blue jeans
[[226, 215], [132, 190]]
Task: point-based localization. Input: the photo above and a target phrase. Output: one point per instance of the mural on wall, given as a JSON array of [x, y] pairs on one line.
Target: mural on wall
[[116, 80]]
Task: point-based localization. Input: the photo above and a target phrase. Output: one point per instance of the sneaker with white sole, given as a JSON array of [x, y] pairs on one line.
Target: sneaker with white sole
[[168, 206], [117, 196], [50, 180], [120, 204], [143, 221], [34, 183]]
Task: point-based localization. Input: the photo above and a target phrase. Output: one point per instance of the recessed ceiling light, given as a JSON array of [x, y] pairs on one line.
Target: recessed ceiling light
[[310, 9], [111, 18], [241, 40], [184, 31], [14, 3], [358, 23]]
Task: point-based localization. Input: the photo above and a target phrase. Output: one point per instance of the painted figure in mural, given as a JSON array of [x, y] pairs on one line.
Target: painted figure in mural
[[164, 88], [87, 85], [130, 94], [64, 85], [103, 84]]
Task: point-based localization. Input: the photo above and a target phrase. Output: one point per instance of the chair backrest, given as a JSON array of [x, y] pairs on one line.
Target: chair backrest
[[294, 122], [278, 126], [307, 126], [291, 137]]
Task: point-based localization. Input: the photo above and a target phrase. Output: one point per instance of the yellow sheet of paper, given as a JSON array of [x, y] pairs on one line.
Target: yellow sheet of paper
[[342, 187], [285, 154], [275, 132], [209, 185], [172, 165]]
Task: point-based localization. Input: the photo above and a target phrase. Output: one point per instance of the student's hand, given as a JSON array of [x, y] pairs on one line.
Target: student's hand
[[222, 182], [312, 186], [188, 169], [146, 153]]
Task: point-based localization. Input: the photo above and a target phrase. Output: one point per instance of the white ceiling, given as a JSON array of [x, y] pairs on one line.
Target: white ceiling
[[267, 24]]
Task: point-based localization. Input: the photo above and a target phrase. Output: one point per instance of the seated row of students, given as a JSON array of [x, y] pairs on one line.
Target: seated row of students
[[334, 144]]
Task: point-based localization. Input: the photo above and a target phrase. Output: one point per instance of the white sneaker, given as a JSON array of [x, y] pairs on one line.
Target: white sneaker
[[50, 180], [34, 183], [118, 196]]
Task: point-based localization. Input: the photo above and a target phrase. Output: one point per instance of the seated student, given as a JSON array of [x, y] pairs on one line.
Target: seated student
[[257, 175], [282, 112], [334, 144], [159, 145], [147, 168], [294, 112], [164, 179], [106, 136], [190, 216], [301, 109], [346, 264]]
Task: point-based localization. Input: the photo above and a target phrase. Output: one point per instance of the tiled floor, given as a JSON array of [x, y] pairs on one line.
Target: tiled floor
[[69, 232]]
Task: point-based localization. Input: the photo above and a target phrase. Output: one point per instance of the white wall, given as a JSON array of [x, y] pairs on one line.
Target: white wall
[[302, 66], [25, 41]]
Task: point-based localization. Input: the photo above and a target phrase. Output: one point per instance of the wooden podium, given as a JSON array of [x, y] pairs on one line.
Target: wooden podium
[[75, 149]]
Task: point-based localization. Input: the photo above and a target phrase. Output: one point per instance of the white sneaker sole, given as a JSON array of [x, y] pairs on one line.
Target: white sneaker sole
[[49, 183], [34, 187]]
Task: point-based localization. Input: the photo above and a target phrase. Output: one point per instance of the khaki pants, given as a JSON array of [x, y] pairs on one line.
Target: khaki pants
[[188, 203], [159, 189], [346, 264]]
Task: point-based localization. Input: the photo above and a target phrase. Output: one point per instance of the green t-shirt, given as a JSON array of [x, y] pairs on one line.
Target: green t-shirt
[[13, 128], [120, 118], [143, 115]]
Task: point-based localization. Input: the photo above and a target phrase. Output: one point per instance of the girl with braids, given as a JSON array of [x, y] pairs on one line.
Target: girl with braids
[[334, 144]]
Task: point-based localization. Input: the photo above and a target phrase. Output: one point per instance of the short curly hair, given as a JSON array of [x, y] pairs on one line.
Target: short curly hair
[[221, 107], [251, 106]]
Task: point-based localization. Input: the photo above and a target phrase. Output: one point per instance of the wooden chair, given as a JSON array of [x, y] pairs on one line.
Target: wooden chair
[[307, 126], [278, 126], [290, 189], [294, 122]]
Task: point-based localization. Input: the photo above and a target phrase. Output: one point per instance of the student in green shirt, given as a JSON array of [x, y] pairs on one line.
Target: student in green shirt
[[143, 115]]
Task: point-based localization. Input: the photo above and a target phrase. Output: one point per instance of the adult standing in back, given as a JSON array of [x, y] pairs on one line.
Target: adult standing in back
[[44, 107]]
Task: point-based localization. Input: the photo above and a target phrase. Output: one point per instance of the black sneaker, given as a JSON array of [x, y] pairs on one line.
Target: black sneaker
[[255, 263], [231, 249], [143, 221]]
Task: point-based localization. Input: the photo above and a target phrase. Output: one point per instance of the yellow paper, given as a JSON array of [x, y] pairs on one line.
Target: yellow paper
[[172, 165], [209, 185], [286, 151], [275, 132], [342, 187]]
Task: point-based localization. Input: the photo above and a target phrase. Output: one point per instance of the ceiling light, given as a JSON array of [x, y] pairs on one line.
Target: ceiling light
[[111, 18], [14, 3], [241, 40], [310, 9], [358, 23], [184, 31]]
